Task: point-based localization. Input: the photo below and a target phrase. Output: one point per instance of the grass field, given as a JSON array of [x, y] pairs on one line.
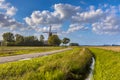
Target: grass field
[[107, 66], [68, 65], [9, 51]]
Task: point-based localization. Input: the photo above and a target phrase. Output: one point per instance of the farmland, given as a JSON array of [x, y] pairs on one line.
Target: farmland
[[107, 65], [10, 51], [68, 65], [112, 48]]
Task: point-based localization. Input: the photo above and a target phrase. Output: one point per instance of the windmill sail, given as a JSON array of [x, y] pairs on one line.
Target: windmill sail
[[50, 31]]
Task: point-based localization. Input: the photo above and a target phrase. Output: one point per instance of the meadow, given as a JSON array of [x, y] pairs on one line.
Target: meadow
[[107, 65], [68, 65], [10, 51]]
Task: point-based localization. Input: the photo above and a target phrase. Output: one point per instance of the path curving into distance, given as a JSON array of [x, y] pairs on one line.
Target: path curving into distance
[[28, 56]]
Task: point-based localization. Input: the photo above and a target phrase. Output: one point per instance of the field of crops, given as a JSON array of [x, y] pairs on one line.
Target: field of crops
[[112, 48], [9, 51], [107, 65], [68, 65]]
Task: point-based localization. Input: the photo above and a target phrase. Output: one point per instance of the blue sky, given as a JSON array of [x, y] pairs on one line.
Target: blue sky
[[87, 22]]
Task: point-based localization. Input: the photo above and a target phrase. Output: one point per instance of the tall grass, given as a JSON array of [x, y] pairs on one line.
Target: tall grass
[[107, 66], [68, 65]]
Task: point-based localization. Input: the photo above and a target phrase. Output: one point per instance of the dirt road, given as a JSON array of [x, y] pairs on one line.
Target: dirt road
[[28, 56]]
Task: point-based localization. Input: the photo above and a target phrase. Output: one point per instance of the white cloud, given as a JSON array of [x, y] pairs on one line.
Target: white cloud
[[109, 25], [61, 13], [8, 22], [6, 17], [43, 18], [104, 20], [11, 11], [66, 10], [56, 18], [7, 8], [75, 27], [89, 16]]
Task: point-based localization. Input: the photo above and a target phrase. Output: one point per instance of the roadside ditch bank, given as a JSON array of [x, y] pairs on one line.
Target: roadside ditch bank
[[83, 72], [89, 66]]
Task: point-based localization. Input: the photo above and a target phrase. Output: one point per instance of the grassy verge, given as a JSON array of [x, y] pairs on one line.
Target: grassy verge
[[68, 65], [9, 51], [107, 66]]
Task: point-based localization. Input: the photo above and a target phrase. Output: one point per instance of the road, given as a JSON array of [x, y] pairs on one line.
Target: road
[[29, 56]]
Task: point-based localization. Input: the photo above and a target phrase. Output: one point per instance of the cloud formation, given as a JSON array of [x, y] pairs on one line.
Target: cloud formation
[[75, 27], [7, 8], [103, 20], [61, 13], [7, 20], [109, 25], [11, 11]]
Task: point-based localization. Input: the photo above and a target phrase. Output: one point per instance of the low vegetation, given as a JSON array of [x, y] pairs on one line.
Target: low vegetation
[[107, 66], [68, 65], [9, 51]]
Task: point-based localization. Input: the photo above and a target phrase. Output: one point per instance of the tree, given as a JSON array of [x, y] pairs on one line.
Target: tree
[[54, 40], [65, 41], [41, 38], [8, 37], [74, 44], [19, 39], [30, 40]]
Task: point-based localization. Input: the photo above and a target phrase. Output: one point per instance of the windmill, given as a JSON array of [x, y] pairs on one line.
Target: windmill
[[50, 31]]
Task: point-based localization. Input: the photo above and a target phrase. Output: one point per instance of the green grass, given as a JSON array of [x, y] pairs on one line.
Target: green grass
[[9, 51], [107, 66], [68, 65]]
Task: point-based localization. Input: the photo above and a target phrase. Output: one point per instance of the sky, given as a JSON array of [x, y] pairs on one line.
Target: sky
[[87, 22]]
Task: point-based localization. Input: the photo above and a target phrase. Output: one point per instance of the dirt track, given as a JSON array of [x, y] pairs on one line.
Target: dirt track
[[27, 56]]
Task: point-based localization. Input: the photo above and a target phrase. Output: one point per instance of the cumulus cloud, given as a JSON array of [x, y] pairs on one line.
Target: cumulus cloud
[[88, 16], [7, 8], [61, 13], [6, 21], [75, 27], [109, 25], [66, 10], [104, 20], [11, 11], [44, 17]]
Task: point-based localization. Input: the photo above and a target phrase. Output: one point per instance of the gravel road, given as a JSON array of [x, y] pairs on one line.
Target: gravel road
[[29, 56]]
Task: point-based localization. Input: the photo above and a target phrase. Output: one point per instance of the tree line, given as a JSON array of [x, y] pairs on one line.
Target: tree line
[[10, 39]]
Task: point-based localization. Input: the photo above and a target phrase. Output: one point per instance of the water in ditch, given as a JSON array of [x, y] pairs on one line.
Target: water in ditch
[[90, 76]]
